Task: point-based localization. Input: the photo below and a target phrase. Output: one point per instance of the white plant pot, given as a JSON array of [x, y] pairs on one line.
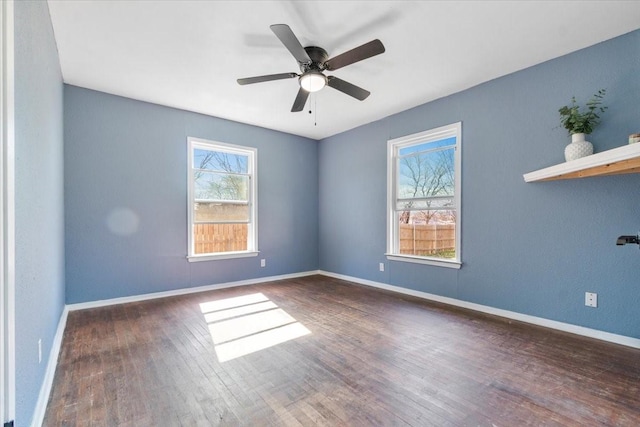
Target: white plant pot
[[578, 148]]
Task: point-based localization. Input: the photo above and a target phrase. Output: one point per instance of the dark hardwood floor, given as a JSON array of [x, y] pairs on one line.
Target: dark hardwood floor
[[357, 356]]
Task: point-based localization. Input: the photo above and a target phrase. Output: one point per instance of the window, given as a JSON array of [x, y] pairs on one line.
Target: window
[[424, 197], [222, 201]]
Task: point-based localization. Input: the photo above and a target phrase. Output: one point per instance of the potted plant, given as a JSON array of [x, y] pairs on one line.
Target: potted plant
[[581, 123]]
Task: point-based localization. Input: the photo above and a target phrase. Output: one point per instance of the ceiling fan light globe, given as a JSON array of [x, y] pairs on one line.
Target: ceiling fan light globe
[[313, 81]]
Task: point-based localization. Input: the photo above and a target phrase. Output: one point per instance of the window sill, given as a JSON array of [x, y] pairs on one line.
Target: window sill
[[226, 255], [422, 260]]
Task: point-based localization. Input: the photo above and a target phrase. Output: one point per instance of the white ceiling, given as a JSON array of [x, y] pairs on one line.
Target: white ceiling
[[188, 54]]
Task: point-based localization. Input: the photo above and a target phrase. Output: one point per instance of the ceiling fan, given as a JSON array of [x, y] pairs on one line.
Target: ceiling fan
[[312, 61]]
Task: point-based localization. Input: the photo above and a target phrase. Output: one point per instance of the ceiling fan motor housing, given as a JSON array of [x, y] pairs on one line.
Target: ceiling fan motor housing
[[318, 57]]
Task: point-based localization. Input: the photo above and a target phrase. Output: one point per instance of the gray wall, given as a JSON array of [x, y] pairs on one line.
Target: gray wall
[[126, 154], [38, 199], [531, 248]]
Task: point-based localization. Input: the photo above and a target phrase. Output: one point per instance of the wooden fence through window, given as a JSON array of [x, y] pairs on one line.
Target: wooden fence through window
[[209, 238], [414, 239], [428, 239]]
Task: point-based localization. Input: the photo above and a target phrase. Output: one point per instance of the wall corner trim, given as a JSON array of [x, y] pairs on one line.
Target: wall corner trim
[[52, 363], [538, 321]]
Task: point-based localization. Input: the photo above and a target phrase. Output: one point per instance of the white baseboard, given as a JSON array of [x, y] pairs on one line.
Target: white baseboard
[[539, 321], [47, 383], [184, 291]]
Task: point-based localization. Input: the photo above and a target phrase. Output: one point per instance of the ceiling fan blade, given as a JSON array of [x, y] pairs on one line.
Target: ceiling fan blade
[[301, 99], [267, 78], [291, 42], [367, 50], [348, 88]]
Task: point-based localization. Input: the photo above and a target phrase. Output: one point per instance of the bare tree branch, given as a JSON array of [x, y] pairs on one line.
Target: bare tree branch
[[428, 175]]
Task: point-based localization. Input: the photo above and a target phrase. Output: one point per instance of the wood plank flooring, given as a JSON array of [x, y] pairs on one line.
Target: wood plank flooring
[[371, 358]]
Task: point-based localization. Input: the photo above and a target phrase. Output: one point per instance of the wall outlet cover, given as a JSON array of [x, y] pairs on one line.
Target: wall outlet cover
[[591, 299]]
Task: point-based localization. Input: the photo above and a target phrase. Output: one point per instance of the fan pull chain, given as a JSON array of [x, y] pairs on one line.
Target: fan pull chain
[[314, 110]]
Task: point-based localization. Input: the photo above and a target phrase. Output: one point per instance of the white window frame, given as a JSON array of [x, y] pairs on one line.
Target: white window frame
[[393, 148], [252, 169]]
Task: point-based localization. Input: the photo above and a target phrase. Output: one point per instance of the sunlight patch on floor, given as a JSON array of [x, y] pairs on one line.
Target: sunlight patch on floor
[[238, 311], [216, 305], [251, 344], [247, 324]]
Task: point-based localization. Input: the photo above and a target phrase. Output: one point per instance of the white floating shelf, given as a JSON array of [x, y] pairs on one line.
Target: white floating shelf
[[621, 160]]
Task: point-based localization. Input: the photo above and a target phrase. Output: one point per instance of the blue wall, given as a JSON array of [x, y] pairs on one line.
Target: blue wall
[[126, 154], [39, 211], [531, 248]]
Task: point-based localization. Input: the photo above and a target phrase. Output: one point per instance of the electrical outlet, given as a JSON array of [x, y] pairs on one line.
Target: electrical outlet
[[591, 299], [40, 350], [263, 263], [382, 266]]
